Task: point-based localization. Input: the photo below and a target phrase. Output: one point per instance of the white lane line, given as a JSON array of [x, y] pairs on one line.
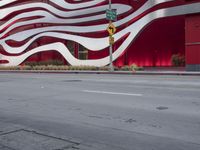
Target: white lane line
[[112, 93]]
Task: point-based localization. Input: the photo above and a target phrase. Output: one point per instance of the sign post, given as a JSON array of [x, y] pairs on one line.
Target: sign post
[[111, 15]]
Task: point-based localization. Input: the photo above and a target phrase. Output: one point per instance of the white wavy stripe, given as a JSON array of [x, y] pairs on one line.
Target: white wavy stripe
[[49, 18], [148, 5], [28, 33], [97, 43], [134, 29], [6, 11], [100, 43], [35, 13], [64, 4], [5, 2]]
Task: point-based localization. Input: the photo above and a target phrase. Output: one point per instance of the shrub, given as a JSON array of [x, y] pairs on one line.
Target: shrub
[[105, 68], [31, 63], [116, 68], [9, 68], [32, 66], [178, 60], [132, 67], [25, 67], [125, 68], [45, 63]]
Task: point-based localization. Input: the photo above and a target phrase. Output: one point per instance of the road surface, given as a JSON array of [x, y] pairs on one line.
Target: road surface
[[99, 112]]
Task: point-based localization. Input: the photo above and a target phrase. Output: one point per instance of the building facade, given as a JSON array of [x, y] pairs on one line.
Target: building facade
[[149, 32]]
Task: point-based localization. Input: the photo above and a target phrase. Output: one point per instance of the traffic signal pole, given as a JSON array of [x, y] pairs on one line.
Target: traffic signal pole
[[111, 47]]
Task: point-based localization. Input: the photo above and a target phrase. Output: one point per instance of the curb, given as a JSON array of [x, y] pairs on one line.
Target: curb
[[175, 73]]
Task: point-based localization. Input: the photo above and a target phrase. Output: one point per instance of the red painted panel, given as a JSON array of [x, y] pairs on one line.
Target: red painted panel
[[192, 24], [156, 44], [192, 36], [193, 54]]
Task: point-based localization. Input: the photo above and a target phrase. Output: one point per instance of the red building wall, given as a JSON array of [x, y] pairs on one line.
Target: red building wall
[[192, 36], [154, 45], [157, 43]]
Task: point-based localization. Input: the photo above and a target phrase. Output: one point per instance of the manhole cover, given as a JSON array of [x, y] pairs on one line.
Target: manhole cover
[[162, 108], [29, 140]]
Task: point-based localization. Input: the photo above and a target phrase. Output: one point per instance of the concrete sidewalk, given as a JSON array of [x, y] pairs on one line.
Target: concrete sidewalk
[[18, 137]]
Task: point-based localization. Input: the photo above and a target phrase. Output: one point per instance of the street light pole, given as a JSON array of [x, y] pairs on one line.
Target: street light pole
[[111, 48]]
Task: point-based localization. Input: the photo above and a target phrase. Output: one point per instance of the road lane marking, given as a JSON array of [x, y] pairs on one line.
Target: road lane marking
[[112, 93]]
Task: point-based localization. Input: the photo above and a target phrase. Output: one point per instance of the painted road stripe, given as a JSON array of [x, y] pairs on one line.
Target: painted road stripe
[[111, 93]]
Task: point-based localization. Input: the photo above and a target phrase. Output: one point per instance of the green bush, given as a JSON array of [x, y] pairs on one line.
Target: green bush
[[82, 68], [10, 68], [178, 60], [125, 68], [39, 67], [25, 67], [105, 68], [33, 66], [135, 67], [132, 67], [45, 63]]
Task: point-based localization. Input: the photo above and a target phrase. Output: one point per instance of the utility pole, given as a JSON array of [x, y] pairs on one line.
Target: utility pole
[[111, 47]]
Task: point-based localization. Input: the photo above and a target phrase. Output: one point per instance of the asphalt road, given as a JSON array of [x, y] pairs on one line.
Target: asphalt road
[[100, 112]]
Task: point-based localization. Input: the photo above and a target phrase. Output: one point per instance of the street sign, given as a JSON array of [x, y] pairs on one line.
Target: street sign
[[111, 29], [111, 14], [111, 40]]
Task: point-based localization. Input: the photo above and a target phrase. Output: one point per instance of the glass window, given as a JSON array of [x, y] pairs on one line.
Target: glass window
[[71, 47], [83, 52]]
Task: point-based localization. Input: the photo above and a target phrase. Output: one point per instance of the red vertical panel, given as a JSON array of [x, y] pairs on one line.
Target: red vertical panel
[[158, 42], [192, 36]]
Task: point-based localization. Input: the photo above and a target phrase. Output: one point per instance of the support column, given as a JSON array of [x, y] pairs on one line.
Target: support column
[[76, 49]]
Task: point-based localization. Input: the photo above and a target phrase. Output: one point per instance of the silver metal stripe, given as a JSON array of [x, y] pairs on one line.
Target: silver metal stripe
[[195, 43]]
